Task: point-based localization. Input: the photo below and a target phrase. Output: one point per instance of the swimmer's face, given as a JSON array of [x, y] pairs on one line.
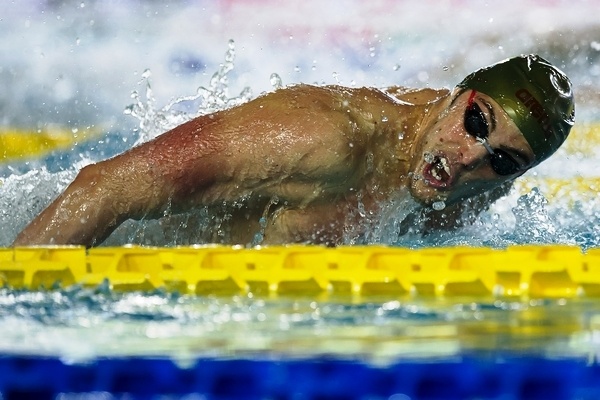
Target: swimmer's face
[[471, 148]]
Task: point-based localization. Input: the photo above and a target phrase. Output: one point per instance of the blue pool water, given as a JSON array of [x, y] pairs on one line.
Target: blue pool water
[[76, 64]]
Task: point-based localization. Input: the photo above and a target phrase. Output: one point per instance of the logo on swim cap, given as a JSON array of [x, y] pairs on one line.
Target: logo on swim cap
[[536, 95]]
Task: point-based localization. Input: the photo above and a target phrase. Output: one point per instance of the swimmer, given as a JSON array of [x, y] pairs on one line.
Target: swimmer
[[297, 164]]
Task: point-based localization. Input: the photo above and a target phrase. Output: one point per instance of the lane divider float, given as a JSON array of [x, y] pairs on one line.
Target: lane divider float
[[531, 271]]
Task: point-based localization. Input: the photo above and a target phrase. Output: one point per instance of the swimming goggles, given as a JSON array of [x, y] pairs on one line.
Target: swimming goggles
[[476, 125]]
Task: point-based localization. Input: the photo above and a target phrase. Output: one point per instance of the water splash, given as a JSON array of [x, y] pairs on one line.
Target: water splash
[[276, 81], [392, 222], [533, 223], [23, 196], [206, 100]]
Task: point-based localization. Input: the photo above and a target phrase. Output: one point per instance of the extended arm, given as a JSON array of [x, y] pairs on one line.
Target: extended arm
[[141, 182], [291, 144]]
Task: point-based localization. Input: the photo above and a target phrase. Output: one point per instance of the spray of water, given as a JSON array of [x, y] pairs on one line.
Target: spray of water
[[206, 100], [23, 196], [532, 219]]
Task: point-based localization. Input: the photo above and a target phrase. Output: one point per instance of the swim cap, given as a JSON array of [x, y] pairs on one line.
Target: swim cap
[[536, 95]]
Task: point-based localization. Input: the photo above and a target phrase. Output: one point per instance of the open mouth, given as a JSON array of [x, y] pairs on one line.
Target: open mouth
[[437, 172]]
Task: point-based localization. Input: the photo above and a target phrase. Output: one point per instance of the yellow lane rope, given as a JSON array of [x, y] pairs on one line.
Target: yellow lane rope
[[583, 139], [16, 143], [583, 143], [530, 271], [561, 189]]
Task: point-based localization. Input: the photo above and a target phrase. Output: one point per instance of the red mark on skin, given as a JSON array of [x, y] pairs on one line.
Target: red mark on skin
[[471, 98]]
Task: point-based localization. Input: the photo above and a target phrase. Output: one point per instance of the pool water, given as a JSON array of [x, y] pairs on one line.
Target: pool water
[[369, 329], [117, 67]]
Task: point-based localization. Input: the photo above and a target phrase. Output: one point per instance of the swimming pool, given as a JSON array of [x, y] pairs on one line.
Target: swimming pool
[[74, 65]]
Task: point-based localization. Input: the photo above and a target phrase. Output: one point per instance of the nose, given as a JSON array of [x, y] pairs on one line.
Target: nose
[[472, 154]]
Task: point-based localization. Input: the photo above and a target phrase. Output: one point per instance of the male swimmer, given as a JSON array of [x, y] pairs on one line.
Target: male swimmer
[[296, 164]]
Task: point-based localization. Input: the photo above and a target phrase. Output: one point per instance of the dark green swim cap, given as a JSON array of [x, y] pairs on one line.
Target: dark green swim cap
[[536, 95]]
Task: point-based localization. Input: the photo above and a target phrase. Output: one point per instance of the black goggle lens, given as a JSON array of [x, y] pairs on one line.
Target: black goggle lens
[[475, 123], [503, 164]]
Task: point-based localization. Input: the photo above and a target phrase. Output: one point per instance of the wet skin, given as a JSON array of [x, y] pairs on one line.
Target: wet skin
[[303, 157]]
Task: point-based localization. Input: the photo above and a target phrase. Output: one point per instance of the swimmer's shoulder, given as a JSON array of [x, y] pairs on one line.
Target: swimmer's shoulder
[[414, 96]]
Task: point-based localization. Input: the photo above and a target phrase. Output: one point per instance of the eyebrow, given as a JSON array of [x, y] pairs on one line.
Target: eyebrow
[[492, 114]]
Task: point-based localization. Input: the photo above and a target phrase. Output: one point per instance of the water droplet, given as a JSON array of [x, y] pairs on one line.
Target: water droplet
[[258, 238], [262, 222], [428, 157], [396, 67], [400, 135], [438, 205], [296, 69], [445, 68], [370, 162], [384, 119], [276, 81]]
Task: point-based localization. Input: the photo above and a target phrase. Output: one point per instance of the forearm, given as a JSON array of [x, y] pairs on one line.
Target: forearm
[[83, 214], [143, 182]]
